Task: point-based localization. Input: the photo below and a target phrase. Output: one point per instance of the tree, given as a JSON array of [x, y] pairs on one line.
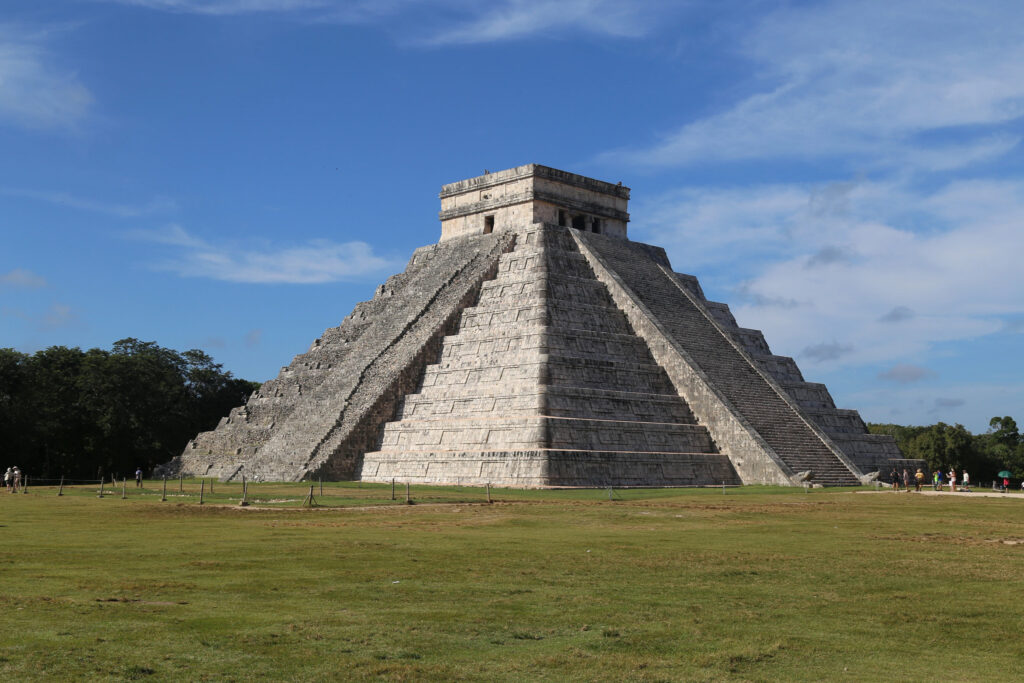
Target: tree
[[83, 414]]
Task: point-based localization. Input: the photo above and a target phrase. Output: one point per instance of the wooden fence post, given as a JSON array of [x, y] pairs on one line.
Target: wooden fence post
[[407, 498], [60, 490], [392, 488], [488, 492], [245, 491], [163, 496]]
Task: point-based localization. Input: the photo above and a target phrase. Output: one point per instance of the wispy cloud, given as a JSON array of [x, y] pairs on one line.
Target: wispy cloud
[[862, 82], [317, 261], [114, 209], [22, 278], [826, 351], [906, 373], [513, 19], [444, 22], [36, 91], [229, 7]]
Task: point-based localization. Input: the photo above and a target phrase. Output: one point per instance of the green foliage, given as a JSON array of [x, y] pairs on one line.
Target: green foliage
[[82, 414], [943, 446]]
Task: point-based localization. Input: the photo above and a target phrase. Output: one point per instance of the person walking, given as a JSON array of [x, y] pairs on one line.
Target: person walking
[[8, 479], [906, 480], [918, 479], [894, 476], [952, 480], [966, 486], [1006, 483], [138, 477], [16, 475]]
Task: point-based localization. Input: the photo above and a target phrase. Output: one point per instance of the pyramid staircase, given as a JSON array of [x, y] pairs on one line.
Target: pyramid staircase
[[546, 383]]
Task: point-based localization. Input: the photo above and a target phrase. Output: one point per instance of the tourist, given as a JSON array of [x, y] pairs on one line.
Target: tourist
[[894, 476], [16, 475], [967, 482], [952, 480], [1006, 484], [906, 480], [138, 477], [8, 479], [918, 479]]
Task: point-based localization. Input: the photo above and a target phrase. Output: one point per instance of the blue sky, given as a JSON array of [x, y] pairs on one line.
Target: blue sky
[[234, 175]]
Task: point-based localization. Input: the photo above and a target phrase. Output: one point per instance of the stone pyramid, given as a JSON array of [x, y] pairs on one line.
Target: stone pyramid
[[536, 345]]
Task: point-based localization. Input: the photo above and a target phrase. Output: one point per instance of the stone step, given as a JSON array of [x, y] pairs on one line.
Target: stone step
[[525, 432], [559, 315], [555, 401], [564, 370]]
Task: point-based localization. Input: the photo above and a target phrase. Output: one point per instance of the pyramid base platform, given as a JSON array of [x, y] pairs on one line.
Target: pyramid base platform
[[544, 468]]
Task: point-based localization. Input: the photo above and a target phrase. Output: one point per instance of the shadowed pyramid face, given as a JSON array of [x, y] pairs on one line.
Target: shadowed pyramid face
[[522, 352]]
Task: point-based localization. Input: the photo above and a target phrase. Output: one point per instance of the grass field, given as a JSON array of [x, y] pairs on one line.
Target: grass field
[[753, 584]]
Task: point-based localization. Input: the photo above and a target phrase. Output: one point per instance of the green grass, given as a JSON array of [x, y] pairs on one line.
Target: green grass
[[757, 584]]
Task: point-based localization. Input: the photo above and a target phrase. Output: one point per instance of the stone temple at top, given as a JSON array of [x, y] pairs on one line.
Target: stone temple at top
[[536, 345]]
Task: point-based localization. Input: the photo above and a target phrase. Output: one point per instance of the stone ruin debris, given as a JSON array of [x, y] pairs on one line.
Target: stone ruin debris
[[536, 345]]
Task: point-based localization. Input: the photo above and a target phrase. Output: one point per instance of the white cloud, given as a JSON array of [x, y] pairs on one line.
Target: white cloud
[[317, 261], [863, 81], [64, 199], [888, 292], [22, 278], [445, 22], [513, 19], [228, 7], [35, 91]]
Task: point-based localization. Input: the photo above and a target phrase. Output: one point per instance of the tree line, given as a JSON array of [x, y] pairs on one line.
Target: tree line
[[86, 414], [943, 446]]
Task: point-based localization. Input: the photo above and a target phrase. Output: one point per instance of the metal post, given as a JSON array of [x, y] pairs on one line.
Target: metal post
[[392, 488], [211, 486], [163, 496], [609, 493], [407, 499], [60, 491], [124, 488], [181, 488], [321, 488], [101, 488], [245, 492], [202, 490], [488, 492]]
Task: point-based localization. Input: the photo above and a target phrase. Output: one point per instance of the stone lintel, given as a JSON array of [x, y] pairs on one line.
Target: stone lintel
[[533, 170]]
